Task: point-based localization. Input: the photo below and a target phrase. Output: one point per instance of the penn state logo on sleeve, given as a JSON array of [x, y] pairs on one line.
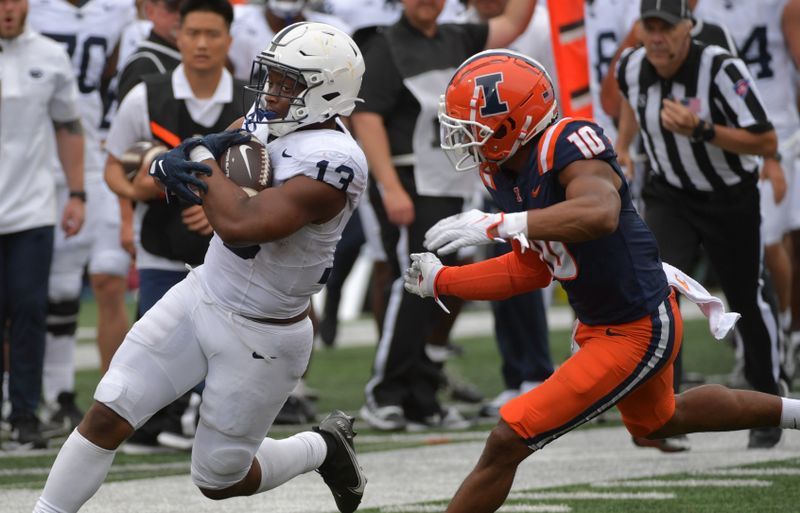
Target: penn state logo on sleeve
[[570, 140], [327, 157]]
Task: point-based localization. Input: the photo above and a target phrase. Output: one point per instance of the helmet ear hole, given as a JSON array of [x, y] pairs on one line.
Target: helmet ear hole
[[500, 132]]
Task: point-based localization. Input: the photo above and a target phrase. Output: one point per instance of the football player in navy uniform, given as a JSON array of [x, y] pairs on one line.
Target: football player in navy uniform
[[568, 211], [240, 321]]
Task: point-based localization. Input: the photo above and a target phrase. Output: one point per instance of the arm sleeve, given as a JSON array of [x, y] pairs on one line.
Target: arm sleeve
[[739, 98], [496, 278]]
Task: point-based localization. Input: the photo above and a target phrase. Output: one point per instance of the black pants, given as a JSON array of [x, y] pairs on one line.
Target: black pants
[[402, 374], [25, 259], [727, 225]]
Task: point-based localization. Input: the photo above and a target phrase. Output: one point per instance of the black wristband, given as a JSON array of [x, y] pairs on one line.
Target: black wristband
[[709, 132], [81, 195], [703, 132]]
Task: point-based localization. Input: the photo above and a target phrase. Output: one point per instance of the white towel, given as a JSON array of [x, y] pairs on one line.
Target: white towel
[[720, 322]]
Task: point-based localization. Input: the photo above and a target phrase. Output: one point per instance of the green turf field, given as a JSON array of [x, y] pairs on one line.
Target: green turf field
[[339, 376]]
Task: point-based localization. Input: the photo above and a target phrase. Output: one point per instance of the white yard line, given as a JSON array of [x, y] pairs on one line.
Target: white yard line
[[434, 472]]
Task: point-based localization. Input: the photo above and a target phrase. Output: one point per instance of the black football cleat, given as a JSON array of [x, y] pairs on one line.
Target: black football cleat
[[341, 471]]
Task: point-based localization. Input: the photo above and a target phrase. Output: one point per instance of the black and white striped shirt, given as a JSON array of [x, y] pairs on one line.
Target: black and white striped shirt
[[718, 88]]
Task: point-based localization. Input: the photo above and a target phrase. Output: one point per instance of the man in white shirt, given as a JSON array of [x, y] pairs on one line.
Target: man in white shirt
[[37, 85]]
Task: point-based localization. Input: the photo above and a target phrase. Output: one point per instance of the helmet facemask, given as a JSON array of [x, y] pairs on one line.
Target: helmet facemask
[[462, 139], [273, 79]]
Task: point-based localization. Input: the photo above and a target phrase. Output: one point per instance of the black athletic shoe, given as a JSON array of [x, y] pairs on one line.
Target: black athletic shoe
[[296, 410], [68, 413], [764, 438], [26, 433], [341, 471]]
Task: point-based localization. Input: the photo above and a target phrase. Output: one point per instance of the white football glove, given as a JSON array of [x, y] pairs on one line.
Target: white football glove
[[420, 278], [470, 228]]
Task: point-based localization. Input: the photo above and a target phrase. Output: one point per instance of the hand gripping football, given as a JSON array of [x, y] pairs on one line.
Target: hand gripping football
[[247, 165], [140, 153]]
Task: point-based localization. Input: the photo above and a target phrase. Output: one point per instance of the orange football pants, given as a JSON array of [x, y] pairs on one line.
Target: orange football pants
[[628, 365]]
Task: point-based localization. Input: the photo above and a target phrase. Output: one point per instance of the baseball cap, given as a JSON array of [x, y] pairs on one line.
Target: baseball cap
[[671, 11]]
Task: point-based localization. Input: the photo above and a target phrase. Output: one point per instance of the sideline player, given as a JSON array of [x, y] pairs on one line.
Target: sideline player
[[566, 199], [90, 32], [240, 321]]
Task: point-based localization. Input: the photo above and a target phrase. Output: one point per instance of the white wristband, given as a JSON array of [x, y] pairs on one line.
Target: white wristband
[[513, 224], [200, 153]]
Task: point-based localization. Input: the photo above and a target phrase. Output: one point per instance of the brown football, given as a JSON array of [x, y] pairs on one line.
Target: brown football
[[141, 152], [247, 165]]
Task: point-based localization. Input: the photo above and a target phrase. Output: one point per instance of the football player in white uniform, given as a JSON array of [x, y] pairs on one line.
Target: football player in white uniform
[[90, 33], [607, 23], [766, 35], [240, 320]]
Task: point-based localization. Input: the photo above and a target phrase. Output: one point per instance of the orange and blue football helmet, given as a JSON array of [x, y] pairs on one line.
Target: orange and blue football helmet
[[497, 101]]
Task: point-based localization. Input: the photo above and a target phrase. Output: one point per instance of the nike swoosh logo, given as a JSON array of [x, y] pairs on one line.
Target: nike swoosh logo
[[243, 150], [285, 155], [362, 481], [161, 167], [535, 192], [610, 333], [259, 357]]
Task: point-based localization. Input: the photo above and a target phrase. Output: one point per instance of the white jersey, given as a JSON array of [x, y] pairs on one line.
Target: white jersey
[[756, 29], [276, 279], [607, 23], [89, 33], [251, 34]]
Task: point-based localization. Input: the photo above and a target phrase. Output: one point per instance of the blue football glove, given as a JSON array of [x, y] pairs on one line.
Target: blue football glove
[[216, 143], [176, 173]]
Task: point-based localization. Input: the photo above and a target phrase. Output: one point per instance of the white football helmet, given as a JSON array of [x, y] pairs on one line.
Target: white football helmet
[[327, 66]]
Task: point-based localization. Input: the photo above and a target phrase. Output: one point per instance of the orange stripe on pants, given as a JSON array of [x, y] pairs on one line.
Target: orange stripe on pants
[[629, 365]]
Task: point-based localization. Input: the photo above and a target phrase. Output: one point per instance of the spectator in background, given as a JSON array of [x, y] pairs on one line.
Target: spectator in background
[[132, 35], [409, 64], [768, 37], [255, 23], [199, 96], [90, 33], [158, 53], [704, 127], [38, 84], [607, 24], [520, 322]]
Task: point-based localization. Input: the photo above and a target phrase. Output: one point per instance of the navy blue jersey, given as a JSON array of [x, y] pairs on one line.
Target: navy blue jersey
[[614, 279]]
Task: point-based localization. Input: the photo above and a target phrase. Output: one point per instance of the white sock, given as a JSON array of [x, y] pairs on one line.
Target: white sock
[[790, 413], [58, 374], [79, 470], [281, 460]]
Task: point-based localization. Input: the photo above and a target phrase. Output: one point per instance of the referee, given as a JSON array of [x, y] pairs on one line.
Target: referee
[[704, 128]]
